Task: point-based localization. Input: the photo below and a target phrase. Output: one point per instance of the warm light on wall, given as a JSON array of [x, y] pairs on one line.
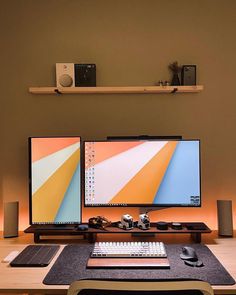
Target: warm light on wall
[[168, 215], [207, 213], [1, 221]]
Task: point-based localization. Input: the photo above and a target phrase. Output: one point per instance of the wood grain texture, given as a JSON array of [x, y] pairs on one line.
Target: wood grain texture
[[117, 89], [128, 262], [25, 280]]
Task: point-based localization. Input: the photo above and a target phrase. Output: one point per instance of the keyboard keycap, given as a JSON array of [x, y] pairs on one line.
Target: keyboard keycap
[[129, 249]]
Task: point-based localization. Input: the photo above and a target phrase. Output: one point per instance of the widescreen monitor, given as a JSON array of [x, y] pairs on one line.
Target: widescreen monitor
[[142, 173], [55, 180]]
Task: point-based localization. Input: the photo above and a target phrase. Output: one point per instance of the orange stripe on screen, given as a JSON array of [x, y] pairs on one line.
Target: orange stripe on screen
[[42, 147], [143, 186]]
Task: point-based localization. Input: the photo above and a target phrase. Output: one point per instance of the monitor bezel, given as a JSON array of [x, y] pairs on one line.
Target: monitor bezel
[[30, 180], [177, 138]]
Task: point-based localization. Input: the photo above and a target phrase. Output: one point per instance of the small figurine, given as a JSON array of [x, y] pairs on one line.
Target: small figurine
[[126, 222], [144, 221]]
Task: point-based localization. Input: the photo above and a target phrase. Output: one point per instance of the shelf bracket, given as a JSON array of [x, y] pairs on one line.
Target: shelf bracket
[[58, 91], [174, 90]]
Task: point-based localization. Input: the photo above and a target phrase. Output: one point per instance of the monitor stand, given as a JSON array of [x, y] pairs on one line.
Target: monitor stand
[[149, 209]]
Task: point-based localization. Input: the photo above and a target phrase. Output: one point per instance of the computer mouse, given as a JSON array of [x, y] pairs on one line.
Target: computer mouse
[[81, 227], [188, 253]]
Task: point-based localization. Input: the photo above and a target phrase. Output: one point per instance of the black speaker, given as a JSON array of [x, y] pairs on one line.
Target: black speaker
[[162, 225], [188, 75], [85, 75]]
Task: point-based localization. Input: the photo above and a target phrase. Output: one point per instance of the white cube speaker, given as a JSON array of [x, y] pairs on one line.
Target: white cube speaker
[[10, 219], [65, 75], [225, 218]]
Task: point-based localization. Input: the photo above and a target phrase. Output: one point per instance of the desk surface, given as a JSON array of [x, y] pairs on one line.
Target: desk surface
[[29, 280]]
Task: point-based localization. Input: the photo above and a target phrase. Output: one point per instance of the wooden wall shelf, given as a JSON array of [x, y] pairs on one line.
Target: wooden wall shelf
[[116, 89]]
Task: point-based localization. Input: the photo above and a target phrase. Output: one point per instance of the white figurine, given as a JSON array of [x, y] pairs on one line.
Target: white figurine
[[126, 222], [144, 221]]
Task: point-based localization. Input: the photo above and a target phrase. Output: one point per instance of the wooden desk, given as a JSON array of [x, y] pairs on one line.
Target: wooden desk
[[29, 280]]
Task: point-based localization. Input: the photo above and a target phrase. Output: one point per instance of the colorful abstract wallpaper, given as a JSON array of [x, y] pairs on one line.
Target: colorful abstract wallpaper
[[55, 180], [142, 172]]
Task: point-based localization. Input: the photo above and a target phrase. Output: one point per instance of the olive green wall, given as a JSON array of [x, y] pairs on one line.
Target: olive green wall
[[132, 42]]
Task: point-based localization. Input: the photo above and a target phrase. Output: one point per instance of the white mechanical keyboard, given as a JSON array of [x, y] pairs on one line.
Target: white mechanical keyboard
[[129, 249]]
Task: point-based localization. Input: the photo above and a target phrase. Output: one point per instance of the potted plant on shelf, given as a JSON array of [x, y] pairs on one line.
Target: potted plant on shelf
[[175, 69]]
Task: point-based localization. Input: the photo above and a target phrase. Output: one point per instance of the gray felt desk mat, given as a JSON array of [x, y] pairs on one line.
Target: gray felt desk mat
[[71, 266]]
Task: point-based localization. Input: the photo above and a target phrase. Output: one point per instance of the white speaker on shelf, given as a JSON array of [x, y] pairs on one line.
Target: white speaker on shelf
[[10, 219], [65, 74], [225, 218]]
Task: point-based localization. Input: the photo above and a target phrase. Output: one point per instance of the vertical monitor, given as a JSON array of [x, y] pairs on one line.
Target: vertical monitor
[[55, 180], [148, 173]]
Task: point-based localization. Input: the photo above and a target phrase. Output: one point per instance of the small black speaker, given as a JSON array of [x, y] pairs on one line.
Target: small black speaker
[[162, 225], [188, 75], [85, 75], [176, 225]]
